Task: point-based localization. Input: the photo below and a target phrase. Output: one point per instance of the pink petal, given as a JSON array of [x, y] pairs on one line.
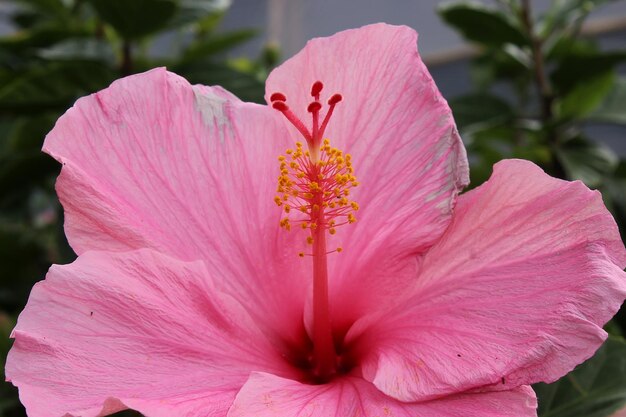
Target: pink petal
[[407, 154], [267, 395], [515, 292], [134, 329], [152, 162]]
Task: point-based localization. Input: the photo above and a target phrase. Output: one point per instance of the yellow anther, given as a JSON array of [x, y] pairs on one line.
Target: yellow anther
[[339, 249], [284, 223], [318, 192]]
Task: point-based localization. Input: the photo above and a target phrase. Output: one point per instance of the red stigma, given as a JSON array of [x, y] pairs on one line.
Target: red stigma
[[280, 106], [336, 98], [278, 97], [314, 135], [316, 89], [314, 107]]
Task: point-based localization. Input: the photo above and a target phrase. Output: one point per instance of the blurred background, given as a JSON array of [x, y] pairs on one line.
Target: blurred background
[[540, 80]]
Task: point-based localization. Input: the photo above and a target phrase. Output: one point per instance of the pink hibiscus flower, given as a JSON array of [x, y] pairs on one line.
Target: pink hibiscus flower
[[189, 299]]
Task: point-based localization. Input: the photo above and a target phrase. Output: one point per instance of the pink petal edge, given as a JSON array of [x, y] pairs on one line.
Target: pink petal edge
[[514, 293], [136, 329], [266, 395]]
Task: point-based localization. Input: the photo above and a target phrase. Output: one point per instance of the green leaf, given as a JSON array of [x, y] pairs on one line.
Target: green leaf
[[244, 85], [41, 37], [206, 13], [615, 197], [587, 96], [563, 13], [79, 49], [597, 388], [500, 64], [34, 12], [23, 263], [18, 173], [613, 109], [53, 86], [217, 43], [25, 134], [482, 24], [486, 146], [134, 19], [127, 413], [480, 109], [566, 46], [587, 161], [612, 327], [575, 69], [56, 7]]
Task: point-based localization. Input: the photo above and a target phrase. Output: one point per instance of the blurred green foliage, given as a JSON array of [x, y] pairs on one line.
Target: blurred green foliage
[[538, 86], [595, 389], [558, 83], [65, 49]]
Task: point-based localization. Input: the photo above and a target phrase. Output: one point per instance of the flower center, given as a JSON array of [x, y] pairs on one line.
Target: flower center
[[314, 192]]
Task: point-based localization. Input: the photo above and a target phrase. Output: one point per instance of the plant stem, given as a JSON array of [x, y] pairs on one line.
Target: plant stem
[[126, 68], [542, 82]]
